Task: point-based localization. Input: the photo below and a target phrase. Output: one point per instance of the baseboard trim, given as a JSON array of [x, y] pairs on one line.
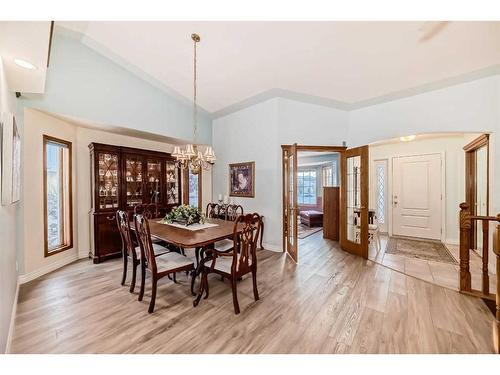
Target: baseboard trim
[[46, 269], [451, 241], [271, 247], [12, 320]]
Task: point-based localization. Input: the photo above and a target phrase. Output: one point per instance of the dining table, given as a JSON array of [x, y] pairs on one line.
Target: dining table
[[199, 239]]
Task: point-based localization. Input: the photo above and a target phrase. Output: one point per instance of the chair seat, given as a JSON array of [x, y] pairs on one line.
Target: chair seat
[[171, 261], [223, 264], [372, 226], [224, 245], [159, 250]]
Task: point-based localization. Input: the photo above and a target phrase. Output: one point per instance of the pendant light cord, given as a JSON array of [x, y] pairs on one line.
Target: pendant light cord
[[195, 107]]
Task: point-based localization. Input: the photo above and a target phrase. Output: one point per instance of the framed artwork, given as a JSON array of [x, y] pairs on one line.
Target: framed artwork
[[16, 163], [7, 153], [242, 179]]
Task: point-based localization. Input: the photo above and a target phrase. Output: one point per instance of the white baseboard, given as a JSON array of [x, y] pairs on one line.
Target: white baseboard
[[271, 247], [12, 320], [451, 241], [46, 269]]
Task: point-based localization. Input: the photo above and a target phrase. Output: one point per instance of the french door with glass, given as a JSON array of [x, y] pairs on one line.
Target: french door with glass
[[290, 204], [354, 201]]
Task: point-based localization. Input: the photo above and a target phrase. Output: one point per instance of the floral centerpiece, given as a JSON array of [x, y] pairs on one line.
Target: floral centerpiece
[[184, 214]]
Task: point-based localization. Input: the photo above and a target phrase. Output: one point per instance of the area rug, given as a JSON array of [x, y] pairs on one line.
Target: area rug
[[305, 231], [422, 249]]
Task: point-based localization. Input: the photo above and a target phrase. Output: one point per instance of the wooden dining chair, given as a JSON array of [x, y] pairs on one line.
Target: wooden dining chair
[[159, 267], [241, 260], [231, 213], [212, 211], [131, 250]]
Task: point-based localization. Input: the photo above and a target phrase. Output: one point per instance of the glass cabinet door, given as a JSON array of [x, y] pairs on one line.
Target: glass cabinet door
[[153, 181], [133, 180], [107, 184], [172, 183]]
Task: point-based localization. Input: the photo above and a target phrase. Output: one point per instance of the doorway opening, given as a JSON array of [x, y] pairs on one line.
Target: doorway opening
[[325, 196], [416, 186]]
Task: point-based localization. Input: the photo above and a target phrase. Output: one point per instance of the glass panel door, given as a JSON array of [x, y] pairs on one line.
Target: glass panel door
[[172, 183], [290, 204], [107, 186], [133, 180], [153, 181], [354, 201]]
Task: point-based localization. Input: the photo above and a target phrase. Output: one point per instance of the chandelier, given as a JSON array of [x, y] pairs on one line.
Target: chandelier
[[192, 157]]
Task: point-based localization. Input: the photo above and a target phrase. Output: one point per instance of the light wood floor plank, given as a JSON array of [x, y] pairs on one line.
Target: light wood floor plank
[[332, 302]]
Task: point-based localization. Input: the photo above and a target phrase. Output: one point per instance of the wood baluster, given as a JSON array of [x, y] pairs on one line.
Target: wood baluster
[[496, 249], [465, 226], [486, 277]]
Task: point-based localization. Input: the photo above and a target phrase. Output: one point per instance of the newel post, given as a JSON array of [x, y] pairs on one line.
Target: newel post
[[496, 249], [465, 226]]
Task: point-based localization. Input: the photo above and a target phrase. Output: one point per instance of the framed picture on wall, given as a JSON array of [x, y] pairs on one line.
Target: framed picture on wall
[[16, 163], [242, 179], [7, 137]]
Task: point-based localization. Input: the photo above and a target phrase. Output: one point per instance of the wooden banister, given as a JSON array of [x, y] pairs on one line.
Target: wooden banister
[[465, 227], [466, 224], [496, 250]]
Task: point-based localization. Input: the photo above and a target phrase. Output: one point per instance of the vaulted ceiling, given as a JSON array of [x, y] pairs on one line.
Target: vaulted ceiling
[[346, 62]]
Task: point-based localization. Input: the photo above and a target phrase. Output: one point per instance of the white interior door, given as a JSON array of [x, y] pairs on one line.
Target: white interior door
[[416, 196]]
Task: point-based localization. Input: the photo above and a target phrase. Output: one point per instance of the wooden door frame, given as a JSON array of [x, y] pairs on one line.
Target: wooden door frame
[[315, 148], [470, 177]]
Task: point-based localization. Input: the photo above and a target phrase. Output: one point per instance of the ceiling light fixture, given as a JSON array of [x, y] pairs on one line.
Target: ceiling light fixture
[[25, 64], [407, 138], [191, 157]]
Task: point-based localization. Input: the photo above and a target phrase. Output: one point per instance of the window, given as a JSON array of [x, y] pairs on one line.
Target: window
[[306, 184], [58, 210], [193, 193], [380, 198]]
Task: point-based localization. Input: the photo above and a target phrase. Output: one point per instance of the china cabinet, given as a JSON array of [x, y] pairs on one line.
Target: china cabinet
[[122, 178]]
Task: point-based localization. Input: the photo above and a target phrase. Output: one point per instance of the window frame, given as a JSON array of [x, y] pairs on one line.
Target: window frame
[[69, 241], [185, 193], [315, 186]]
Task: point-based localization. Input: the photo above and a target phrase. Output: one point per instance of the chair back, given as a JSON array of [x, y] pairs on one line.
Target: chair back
[[145, 243], [212, 211], [245, 243], [124, 228], [233, 211], [150, 211]]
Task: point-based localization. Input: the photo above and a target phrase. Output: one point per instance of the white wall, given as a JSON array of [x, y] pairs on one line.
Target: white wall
[[38, 123], [8, 228], [256, 134], [454, 162]]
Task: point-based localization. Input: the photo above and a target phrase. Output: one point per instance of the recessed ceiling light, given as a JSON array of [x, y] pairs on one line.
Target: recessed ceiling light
[[407, 138], [25, 64]]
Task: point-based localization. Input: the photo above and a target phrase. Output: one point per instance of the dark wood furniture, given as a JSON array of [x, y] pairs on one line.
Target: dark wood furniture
[[331, 212], [130, 250], [241, 260], [159, 267], [200, 240], [212, 211], [123, 178], [311, 218]]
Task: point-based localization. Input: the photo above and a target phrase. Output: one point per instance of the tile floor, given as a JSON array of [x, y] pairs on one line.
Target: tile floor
[[438, 273]]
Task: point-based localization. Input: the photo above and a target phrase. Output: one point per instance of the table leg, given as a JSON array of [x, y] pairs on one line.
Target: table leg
[[194, 273]]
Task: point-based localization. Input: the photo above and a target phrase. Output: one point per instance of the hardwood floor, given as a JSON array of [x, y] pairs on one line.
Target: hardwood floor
[[332, 302]]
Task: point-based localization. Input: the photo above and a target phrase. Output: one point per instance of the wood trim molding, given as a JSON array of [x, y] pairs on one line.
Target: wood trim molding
[[317, 148], [479, 142], [68, 144]]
